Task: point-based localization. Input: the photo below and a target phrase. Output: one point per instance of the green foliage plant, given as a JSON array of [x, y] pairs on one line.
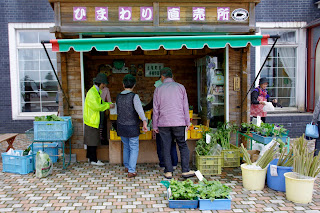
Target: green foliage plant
[[183, 190], [270, 130], [213, 190], [202, 147], [223, 134], [247, 127]]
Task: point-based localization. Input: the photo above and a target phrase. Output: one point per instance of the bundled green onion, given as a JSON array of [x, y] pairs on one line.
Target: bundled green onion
[[304, 162], [285, 160], [245, 155], [267, 157]]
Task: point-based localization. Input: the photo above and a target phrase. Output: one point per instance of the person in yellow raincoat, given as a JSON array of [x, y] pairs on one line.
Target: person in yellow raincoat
[[91, 117]]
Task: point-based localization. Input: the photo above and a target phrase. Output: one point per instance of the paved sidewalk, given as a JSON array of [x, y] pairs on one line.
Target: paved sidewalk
[[86, 188]]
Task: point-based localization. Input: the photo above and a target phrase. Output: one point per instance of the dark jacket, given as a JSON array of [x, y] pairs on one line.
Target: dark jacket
[[128, 119], [255, 95]]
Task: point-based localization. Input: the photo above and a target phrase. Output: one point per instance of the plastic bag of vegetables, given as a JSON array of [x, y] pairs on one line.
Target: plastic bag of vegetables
[[43, 165]]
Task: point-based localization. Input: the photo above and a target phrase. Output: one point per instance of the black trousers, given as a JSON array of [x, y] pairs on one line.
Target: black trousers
[[92, 153], [167, 134]]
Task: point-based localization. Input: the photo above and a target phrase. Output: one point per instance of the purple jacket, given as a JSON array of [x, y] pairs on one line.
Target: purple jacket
[[170, 105]]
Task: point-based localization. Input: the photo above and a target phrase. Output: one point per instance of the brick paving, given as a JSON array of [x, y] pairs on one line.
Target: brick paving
[[91, 189]]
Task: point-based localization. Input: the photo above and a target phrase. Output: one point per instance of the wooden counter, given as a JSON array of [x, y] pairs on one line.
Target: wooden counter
[[147, 151]]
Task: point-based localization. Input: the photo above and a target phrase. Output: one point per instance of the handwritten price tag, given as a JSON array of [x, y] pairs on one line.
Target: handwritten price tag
[[273, 170], [208, 138], [199, 175]]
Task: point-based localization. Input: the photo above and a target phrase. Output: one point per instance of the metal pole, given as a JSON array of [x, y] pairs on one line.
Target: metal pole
[[253, 83], [45, 49]]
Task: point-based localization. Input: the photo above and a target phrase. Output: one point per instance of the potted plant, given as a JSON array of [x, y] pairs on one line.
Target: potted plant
[[182, 194], [300, 182], [266, 132], [245, 128], [254, 174], [214, 195]]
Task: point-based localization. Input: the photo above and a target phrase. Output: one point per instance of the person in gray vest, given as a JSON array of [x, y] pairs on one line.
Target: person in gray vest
[[316, 120], [129, 109]]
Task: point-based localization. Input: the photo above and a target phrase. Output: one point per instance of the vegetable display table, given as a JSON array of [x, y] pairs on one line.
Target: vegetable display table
[[260, 139], [147, 151], [248, 137]]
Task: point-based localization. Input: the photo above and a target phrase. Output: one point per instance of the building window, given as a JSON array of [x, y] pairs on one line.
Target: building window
[[33, 82], [281, 67]]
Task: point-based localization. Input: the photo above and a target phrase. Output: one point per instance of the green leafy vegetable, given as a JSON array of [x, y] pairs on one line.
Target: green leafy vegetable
[[213, 190], [223, 134], [48, 118], [183, 190], [187, 190]]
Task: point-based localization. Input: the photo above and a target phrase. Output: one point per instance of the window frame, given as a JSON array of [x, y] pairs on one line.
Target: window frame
[[13, 39], [300, 77]]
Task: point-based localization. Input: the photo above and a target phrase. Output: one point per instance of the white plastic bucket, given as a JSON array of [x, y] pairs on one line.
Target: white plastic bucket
[[253, 179], [298, 190]]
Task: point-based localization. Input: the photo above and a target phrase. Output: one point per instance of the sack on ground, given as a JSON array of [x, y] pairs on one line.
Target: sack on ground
[[43, 165]]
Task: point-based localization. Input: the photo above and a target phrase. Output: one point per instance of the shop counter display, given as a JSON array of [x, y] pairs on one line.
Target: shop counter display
[[147, 151]]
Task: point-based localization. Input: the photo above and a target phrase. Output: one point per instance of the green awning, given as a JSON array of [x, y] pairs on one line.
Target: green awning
[[155, 43]]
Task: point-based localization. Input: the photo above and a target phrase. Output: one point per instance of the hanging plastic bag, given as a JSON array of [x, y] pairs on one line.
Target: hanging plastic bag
[[215, 150], [268, 107], [43, 165], [312, 131]]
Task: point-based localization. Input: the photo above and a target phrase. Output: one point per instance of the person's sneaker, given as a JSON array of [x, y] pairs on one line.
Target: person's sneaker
[[98, 163], [131, 175], [168, 175], [191, 173]]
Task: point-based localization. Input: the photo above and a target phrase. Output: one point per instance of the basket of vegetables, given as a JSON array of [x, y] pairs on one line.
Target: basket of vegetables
[[52, 128]]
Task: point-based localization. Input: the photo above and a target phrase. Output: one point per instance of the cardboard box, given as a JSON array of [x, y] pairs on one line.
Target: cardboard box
[[254, 155]]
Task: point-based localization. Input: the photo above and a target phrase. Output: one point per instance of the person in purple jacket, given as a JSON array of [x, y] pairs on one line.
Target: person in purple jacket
[[170, 120], [259, 97]]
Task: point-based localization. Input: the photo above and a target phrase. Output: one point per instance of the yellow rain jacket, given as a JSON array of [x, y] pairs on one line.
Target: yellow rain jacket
[[92, 107]]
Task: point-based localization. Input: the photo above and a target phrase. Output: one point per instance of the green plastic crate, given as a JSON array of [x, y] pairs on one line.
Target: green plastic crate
[[231, 157], [209, 165]]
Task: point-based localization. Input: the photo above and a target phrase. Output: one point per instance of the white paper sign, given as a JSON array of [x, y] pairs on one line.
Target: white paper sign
[[169, 192], [199, 175], [273, 170], [208, 138], [113, 111], [186, 134]]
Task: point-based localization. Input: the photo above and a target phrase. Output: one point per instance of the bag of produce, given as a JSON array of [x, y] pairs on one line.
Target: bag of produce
[[43, 165]]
